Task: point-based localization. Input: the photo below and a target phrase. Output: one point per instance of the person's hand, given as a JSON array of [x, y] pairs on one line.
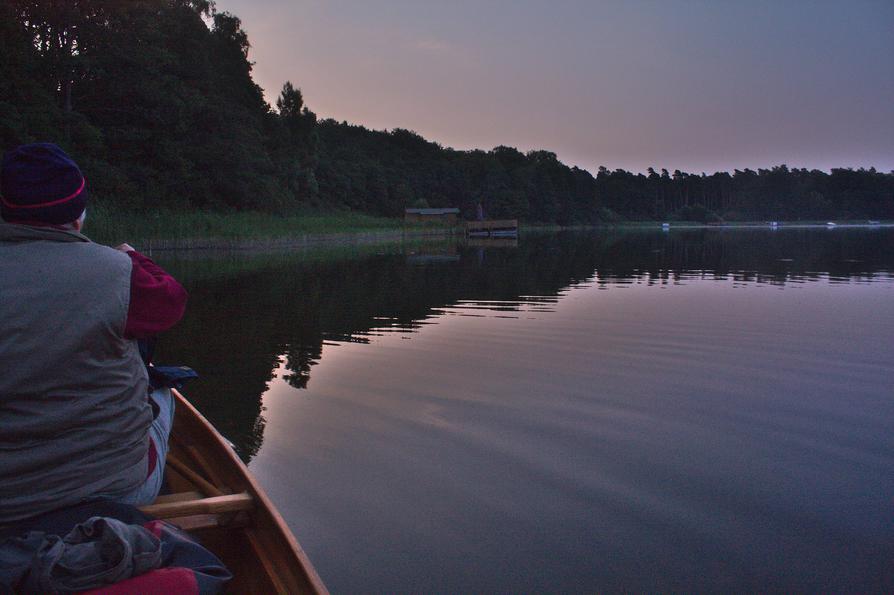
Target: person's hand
[[125, 247]]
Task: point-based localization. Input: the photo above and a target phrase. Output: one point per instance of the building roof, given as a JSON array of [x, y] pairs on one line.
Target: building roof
[[432, 211]]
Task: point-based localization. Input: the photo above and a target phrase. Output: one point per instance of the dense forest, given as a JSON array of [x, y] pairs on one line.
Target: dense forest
[[155, 100]]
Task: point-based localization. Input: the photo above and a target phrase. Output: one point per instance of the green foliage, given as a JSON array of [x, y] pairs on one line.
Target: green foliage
[[113, 225], [691, 213], [28, 111], [157, 107], [778, 193], [385, 172]]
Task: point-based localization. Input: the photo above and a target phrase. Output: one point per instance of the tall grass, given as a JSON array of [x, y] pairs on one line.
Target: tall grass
[[107, 225]]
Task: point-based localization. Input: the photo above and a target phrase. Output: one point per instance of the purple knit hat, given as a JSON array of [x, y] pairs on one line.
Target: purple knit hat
[[39, 183]]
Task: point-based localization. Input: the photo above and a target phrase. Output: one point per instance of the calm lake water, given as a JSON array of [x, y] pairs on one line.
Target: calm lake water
[[705, 410]]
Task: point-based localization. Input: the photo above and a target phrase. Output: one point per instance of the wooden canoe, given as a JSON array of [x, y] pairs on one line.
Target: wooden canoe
[[215, 498]]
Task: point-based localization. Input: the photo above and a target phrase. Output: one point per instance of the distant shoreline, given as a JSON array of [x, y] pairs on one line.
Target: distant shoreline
[[400, 234], [308, 240], [756, 224]]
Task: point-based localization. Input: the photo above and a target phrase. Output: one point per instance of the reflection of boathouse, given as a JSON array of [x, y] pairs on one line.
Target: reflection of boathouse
[[436, 252], [446, 216], [492, 242]]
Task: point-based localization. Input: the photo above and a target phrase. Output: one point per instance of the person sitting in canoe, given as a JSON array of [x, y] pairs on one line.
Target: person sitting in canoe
[[76, 421]]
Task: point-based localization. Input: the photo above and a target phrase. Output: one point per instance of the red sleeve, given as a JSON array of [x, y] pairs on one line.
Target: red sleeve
[[157, 300]]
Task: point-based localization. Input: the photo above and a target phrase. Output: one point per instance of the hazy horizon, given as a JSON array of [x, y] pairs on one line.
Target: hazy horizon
[[695, 86]]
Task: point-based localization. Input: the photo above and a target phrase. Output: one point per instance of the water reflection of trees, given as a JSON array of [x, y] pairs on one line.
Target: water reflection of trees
[[249, 316]]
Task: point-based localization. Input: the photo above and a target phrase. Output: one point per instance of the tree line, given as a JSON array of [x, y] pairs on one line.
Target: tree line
[[155, 99]]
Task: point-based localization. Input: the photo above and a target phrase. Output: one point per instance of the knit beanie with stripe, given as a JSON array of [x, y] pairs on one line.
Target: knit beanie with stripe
[[39, 183]]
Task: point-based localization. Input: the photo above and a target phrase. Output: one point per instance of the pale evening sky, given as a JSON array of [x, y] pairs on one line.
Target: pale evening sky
[[699, 85]]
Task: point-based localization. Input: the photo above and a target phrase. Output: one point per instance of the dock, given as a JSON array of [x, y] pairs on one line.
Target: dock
[[494, 228]]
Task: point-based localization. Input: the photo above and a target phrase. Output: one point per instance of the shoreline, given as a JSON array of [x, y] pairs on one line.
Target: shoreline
[[368, 237], [306, 240]]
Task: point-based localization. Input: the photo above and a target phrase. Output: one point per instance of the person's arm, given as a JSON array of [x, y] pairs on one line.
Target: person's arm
[[157, 300]]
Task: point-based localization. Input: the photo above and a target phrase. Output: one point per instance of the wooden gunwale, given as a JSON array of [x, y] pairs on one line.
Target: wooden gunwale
[[218, 500]]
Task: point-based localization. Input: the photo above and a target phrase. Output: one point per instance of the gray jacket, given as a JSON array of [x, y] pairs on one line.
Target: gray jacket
[[74, 413]]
